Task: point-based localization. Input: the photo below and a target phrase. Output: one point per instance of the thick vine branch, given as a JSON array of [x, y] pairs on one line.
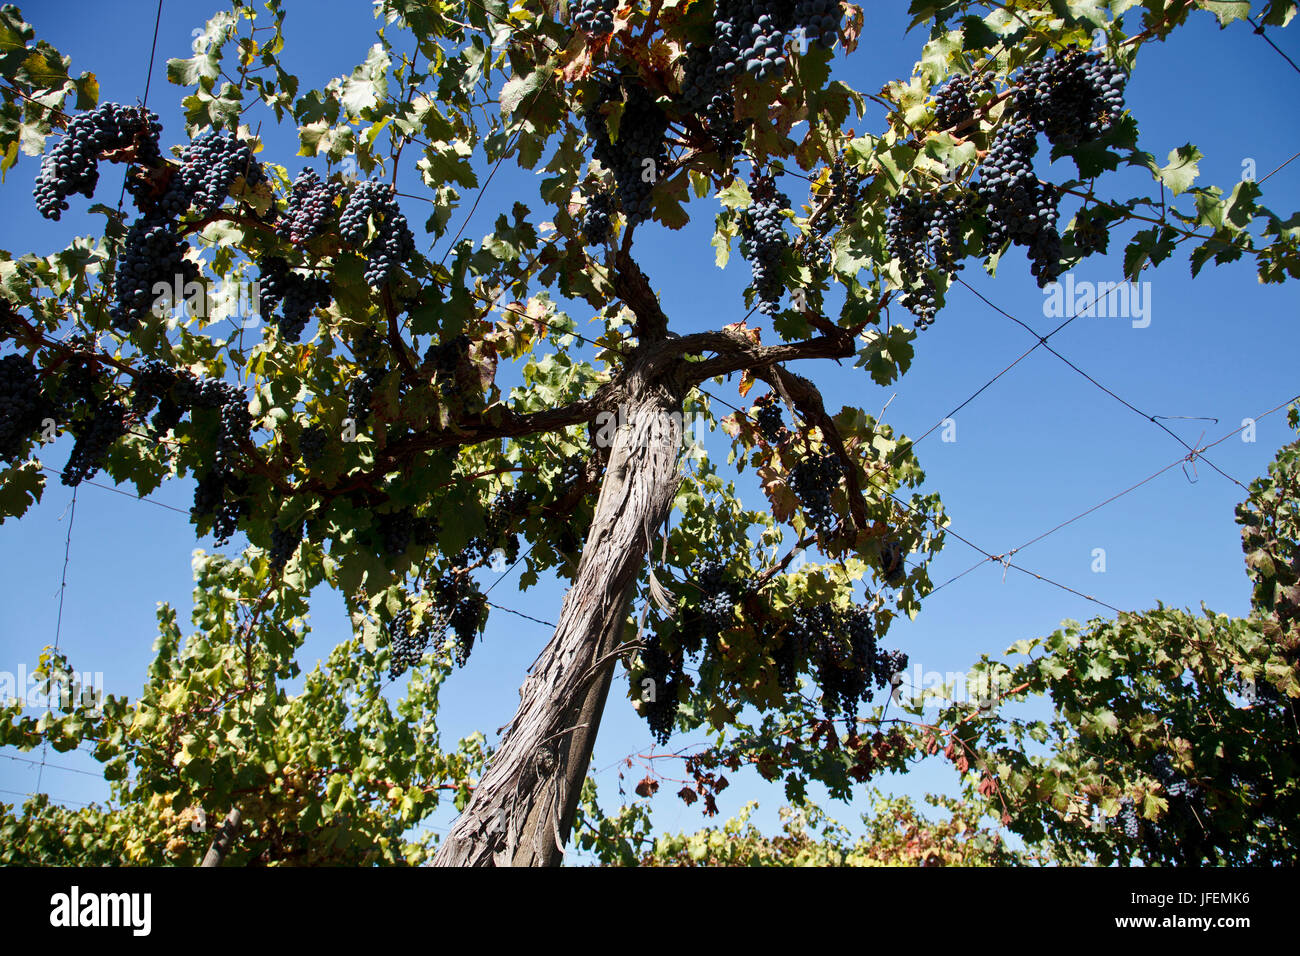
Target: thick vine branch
[[737, 352]]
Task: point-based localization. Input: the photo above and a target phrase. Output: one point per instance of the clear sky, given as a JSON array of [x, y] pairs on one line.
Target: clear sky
[[1039, 446]]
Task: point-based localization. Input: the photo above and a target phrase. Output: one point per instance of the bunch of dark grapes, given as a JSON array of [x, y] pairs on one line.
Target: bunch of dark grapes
[[311, 203], [835, 661], [312, 443], [860, 634], [446, 360], [1181, 832], [761, 49], [796, 637], [704, 93], [924, 232], [718, 595], [819, 19], [153, 381], [296, 295], [284, 542], [462, 606], [700, 81], [155, 384], [638, 158], [768, 418], [814, 478], [667, 675], [209, 165], [815, 248], [408, 642], [957, 100], [1128, 818], [503, 516], [763, 240], [840, 645], [72, 164], [596, 225], [593, 17], [94, 438], [1020, 208], [845, 187], [719, 119], [1090, 232], [234, 421], [153, 254], [752, 35], [23, 407], [465, 619], [395, 531], [363, 392], [393, 244], [220, 489], [1073, 98], [889, 666]]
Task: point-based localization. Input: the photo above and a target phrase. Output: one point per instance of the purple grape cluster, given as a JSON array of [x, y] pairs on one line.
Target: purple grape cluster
[[311, 204], [768, 418], [763, 240], [72, 164], [375, 202], [1073, 97], [668, 674], [153, 255], [94, 438], [1021, 209], [593, 17], [814, 479], [924, 232], [638, 158], [23, 407], [296, 296], [958, 99], [596, 225], [210, 163]]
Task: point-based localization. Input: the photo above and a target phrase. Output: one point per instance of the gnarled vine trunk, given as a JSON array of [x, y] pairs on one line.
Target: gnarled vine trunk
[[522, 809]]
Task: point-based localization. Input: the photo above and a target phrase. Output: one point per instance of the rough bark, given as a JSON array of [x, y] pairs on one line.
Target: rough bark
[[225, 838], [523, 807]]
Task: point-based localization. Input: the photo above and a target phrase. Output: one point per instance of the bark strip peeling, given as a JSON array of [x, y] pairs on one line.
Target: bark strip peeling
[[522, 809]]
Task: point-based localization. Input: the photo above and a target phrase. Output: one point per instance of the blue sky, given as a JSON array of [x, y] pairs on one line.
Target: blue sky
[[1038, 447]]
